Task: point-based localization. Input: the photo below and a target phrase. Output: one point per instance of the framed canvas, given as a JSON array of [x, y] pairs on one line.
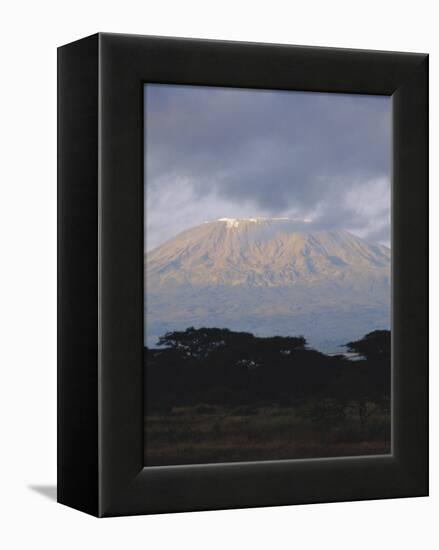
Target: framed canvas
[[242, 275]]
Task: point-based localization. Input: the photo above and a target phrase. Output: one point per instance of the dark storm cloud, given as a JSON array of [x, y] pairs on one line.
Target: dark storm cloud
[[270, 153]]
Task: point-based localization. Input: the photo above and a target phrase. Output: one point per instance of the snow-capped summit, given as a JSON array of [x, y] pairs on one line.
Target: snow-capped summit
[[262, 252], [268, 276], [235, 222]]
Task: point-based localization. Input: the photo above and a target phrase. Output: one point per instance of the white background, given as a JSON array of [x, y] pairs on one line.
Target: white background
[[30, 34]]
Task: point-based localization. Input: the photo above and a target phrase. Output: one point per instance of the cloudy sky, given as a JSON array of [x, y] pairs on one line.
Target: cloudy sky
[[226, 152]]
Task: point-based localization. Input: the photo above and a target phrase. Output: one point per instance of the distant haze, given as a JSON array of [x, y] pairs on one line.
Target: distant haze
[[268, 277], [211, 153]]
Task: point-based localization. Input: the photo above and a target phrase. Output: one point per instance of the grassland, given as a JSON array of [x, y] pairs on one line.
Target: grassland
[[211, 434]]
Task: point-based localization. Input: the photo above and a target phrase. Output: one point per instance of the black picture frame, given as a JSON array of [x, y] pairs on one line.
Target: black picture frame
[[100, 275]]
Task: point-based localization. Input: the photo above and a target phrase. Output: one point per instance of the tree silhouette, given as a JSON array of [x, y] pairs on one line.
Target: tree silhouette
[[199, 343], [223, 367], [375, 345]]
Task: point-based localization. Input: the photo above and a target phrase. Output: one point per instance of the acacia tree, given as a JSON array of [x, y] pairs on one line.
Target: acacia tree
[[375, 345], [199, 343]]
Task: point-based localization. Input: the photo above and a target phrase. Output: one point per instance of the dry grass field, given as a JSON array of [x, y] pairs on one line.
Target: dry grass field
[[213, 434]]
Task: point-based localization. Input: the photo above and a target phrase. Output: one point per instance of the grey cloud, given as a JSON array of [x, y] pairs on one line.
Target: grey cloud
[[282, 152]]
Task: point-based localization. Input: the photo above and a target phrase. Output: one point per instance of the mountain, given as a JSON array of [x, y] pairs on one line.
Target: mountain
[[268, 276]]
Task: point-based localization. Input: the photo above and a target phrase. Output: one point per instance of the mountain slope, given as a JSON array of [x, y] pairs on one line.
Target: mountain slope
[[268, 276]]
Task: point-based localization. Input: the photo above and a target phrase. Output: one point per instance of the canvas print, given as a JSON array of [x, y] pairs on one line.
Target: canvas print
[[267, 275]]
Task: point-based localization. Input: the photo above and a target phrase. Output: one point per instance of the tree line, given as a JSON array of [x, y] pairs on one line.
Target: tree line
[[221, 367]]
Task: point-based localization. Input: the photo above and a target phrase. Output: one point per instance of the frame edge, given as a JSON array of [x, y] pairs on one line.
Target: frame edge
[[77, 386]]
